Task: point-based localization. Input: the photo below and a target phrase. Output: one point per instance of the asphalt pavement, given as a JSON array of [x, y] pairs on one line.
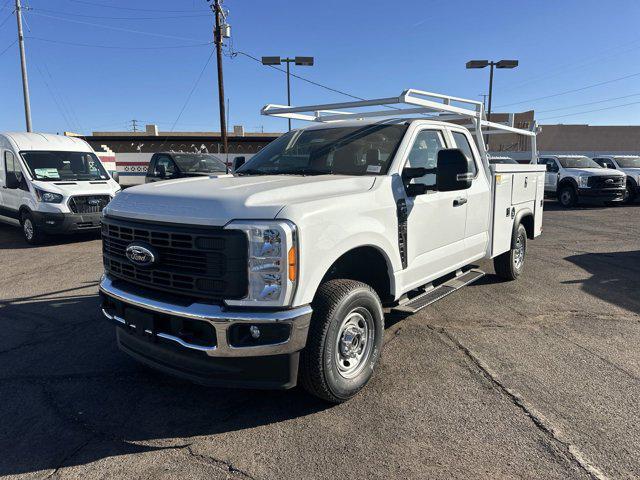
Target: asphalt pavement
[[538, 378]]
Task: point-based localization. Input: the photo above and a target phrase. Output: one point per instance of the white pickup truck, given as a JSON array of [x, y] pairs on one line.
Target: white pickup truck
[[280, 272], [575, 178], [627, 164]]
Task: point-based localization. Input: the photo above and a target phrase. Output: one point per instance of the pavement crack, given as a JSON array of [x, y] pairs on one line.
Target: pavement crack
[[571, 452], [223, 464], [68, 457]]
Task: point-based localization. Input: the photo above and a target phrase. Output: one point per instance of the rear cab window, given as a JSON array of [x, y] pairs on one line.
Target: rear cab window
[[462, 142]]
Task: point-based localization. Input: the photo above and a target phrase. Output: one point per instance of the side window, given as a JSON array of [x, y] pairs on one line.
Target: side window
[[166, 163], [424, 153], [12, 165], [463, 144], [553, 166]]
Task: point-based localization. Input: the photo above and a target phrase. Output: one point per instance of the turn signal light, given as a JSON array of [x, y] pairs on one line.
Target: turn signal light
[[293, 267]]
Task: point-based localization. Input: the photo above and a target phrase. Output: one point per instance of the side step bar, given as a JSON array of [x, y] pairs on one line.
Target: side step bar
[[434, 294]]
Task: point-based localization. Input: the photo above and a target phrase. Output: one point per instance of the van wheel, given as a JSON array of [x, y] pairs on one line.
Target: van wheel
[[567, 197], [345, 339], [30, 231], [510, 264]]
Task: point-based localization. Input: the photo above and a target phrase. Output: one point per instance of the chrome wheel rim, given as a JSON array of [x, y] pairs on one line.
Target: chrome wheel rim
[[518, 258], [354, 342], [28, 229]]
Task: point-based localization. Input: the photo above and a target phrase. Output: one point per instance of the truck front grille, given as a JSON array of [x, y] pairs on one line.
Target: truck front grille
[[88, 203], [197, 262], [606, 181]]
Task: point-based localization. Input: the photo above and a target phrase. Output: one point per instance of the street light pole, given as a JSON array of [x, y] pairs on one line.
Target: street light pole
[[23, 64], [300, 61], [490, 89]]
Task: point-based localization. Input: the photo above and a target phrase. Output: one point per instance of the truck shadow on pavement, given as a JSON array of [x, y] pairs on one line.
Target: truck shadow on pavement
[[11, 238], [70, 397], [615, 277]]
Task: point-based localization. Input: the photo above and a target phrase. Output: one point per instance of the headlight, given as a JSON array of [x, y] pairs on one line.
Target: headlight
[[48, 197], [272, 263], [583, 181]]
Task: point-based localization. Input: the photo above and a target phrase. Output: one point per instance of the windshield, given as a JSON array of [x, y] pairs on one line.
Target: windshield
[[578, 162], [56, 166], [628, 162], [199, 163], [356, 150]]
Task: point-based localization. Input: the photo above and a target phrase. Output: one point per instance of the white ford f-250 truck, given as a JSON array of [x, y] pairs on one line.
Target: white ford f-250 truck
[[280, 272], [576, 178], [627, 164]]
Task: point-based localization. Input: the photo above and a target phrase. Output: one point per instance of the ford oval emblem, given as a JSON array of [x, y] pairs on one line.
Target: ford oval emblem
[[140, 255]]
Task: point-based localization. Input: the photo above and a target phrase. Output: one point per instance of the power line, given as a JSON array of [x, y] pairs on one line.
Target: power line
[[571, 91], [591, 111], [10, 45], [6, 19], [115, 47], [110, 27], [118, 18], [588, 103], [104, 5]]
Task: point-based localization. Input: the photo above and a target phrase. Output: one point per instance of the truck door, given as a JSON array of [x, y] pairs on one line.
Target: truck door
[[435, 220], [478, 198], [551, 175]]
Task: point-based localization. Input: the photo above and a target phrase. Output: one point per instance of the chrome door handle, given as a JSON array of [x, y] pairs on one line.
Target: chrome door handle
[[459, 201]]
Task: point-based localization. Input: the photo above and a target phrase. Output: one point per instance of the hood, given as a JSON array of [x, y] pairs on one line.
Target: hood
[[631, 171], [218, 200], [69, 189], [591, 172]]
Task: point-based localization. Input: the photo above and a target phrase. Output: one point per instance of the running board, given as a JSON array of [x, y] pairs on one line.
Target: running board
[[432, 295]]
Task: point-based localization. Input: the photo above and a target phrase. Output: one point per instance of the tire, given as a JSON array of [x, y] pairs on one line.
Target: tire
[[31, 233], [567, 197], [510, 264], [629, 193], [347, 319]]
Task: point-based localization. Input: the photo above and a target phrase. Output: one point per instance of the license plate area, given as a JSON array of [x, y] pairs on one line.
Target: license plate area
[[141, 322]]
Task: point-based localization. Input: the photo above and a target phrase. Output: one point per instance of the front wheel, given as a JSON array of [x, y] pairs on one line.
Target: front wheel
[[567, 197], [344, 342], [629, 194], [510, 264], [30, 231]]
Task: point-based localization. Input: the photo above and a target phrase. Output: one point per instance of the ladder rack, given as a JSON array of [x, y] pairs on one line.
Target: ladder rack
[[409, 102]]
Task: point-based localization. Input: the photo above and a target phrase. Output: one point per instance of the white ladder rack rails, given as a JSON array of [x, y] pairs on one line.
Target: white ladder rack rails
[[409, 102]]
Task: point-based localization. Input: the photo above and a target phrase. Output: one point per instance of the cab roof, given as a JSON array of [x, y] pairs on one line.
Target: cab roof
[[46, 141]]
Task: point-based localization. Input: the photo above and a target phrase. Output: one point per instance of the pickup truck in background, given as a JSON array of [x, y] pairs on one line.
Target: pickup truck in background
[[173, 165], [630, 166], [575, 178], [279, 273]]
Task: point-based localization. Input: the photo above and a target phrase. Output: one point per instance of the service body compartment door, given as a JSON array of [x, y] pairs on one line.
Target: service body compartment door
[[524, 187], [539, 205], [502, 222]]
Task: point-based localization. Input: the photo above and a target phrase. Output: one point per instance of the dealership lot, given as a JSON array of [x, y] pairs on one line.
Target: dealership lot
[[535, 378]]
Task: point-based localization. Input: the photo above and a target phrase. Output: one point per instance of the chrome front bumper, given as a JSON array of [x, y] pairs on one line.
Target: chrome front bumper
[[221, 319]]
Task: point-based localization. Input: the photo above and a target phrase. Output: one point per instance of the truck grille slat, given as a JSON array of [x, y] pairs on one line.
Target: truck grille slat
[[198, 262], [606, 181]]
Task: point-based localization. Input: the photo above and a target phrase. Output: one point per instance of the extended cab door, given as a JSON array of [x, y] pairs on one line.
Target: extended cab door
[[435, 220]]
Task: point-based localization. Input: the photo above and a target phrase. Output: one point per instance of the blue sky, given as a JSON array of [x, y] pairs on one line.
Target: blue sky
[[369, 48]]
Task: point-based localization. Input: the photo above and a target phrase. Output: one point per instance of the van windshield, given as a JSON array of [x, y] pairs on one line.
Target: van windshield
[[354, 150], [578, 162], [199, 163], [66, 166]]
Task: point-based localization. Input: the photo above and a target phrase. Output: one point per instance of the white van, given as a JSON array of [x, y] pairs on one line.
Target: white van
[[51, 184]]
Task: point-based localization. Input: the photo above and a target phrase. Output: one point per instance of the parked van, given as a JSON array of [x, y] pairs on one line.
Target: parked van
[[51, 184]]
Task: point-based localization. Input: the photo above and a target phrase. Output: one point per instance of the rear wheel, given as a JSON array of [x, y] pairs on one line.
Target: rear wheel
[[510, 264], [567, 197], [30, 231], [345, 339]]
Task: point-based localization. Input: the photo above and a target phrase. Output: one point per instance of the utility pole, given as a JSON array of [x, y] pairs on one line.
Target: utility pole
[[23, 63], [217, 39], [134, 125]]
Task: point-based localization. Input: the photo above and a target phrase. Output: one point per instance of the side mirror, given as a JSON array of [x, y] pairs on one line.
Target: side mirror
[[453, 171], [12, 181], [161, 171], [116, 177], [237, 163]]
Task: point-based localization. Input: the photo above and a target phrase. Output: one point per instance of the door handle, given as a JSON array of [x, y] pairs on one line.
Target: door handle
[[459, 201]]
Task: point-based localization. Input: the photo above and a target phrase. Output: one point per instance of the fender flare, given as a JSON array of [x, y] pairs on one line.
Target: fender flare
[[567, 181], [525, 212], [631, 182]]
